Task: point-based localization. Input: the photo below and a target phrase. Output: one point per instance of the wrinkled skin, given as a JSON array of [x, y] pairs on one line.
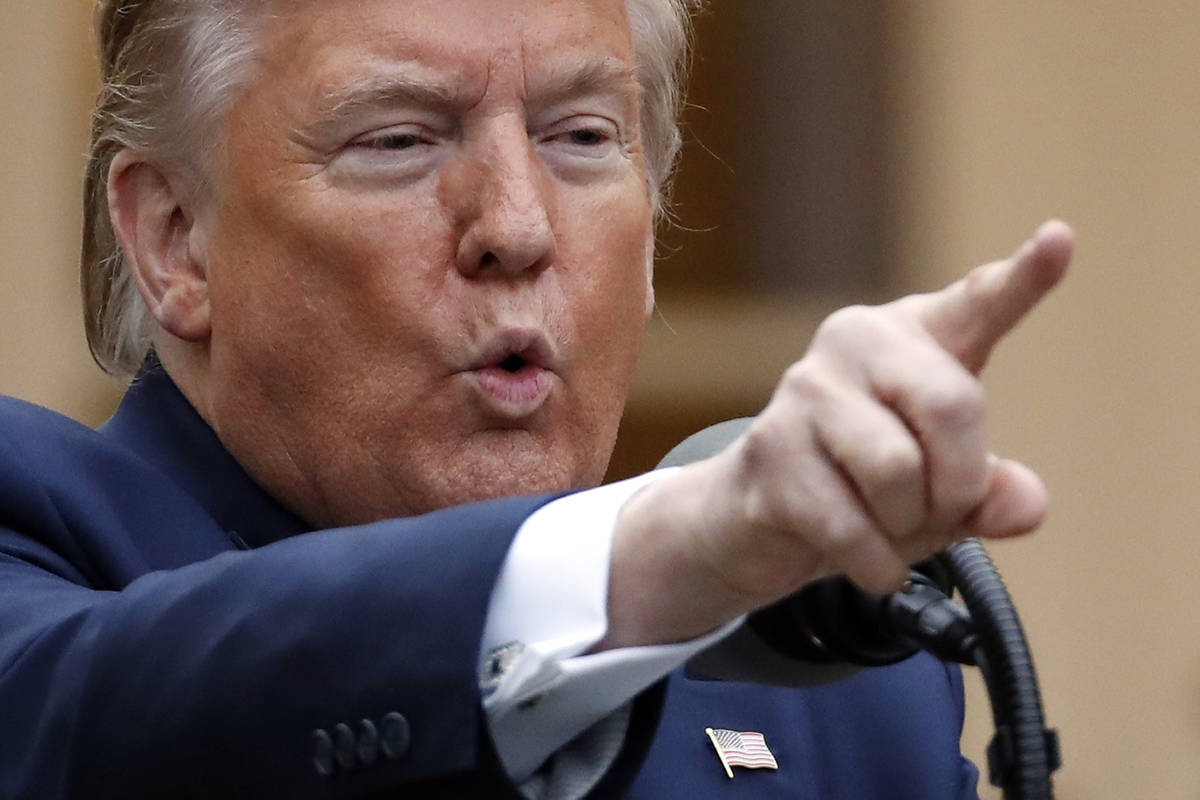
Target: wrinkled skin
[[403, 192]]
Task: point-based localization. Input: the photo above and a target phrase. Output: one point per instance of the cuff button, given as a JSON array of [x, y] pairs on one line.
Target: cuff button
[[322, 752], [368, 743], [344, 746], [395, 736]]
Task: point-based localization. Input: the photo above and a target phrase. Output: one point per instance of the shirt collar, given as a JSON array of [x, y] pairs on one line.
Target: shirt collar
[[157, 422]]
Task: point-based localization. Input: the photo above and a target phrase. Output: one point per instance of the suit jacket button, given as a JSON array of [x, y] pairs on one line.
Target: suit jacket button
[[368, 743], [395, 736], [322, 752], [344, 746]]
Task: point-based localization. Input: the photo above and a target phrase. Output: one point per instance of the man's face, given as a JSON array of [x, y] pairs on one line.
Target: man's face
[[428, 252]]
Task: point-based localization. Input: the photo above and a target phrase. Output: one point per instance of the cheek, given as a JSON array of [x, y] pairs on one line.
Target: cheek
[[616, 276], [610, 320], [352, 270]]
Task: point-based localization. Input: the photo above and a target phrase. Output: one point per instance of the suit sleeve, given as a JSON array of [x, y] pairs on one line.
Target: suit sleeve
[[245, 673], [210, 680]]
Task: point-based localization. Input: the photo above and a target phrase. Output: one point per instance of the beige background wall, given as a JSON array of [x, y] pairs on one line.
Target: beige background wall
[[1003, 114], [46, 83], [1021, 110]]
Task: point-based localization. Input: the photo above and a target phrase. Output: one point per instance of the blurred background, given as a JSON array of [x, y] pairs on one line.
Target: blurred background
[[850, 152]]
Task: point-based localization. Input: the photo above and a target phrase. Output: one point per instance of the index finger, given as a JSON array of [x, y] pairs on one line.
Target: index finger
[[971, 315]]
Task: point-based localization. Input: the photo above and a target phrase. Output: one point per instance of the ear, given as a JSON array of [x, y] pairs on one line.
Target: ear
[[157, 236]]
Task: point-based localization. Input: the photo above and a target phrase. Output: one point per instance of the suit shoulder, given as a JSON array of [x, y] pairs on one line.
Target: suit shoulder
[[20, 417], [36, 442], [88, 498]]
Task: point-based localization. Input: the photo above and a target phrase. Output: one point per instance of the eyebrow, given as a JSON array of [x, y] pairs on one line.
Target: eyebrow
[[573, 79], [399, 89], [384, 91]]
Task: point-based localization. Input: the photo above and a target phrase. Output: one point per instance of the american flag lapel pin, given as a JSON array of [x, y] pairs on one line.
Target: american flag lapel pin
[[741, 749]]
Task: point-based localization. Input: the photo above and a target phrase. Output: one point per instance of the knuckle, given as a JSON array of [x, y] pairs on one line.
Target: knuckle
[[768, 511], [910, 306], [803, 380], [761, 510], [961, 405], [895, 465], [978, 283], [757, 457], [756, 449], [848, 321], [767, 515]]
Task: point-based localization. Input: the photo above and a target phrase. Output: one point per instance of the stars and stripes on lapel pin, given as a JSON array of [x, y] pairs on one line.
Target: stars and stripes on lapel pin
[[741, 749]]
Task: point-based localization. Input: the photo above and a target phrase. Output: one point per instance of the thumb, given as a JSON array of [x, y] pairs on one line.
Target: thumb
[[1015, 503]]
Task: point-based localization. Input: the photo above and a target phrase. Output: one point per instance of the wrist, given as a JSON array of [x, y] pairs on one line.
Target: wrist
[[665, 584]]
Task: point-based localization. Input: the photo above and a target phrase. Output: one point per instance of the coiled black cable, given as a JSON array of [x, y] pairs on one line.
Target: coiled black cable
[[832, 621], [1023, 753]]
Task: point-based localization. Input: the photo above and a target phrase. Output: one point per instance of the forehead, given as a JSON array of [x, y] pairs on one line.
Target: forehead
[[468, 46]]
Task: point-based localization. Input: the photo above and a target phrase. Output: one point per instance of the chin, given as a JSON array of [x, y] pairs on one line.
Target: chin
[[509, 472], [448, 471]]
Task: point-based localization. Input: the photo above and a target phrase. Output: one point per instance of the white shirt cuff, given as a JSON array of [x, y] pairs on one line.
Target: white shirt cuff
[[549, 605]]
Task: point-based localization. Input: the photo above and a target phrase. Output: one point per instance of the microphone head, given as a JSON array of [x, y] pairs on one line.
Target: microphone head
[[705, 443]]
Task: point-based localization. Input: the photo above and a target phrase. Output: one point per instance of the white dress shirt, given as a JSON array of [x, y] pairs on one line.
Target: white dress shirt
[[556, 713]]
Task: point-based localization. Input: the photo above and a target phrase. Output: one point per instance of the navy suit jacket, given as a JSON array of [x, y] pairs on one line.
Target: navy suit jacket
[[167, 630]]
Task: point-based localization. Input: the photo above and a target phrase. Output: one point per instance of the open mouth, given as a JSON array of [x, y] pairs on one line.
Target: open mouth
[[513, 363], [515, 374], [517, 351]]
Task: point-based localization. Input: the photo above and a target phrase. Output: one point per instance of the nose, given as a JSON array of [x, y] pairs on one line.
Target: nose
[[506, 203]]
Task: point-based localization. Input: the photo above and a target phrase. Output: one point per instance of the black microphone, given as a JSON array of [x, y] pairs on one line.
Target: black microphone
[[831, 628]]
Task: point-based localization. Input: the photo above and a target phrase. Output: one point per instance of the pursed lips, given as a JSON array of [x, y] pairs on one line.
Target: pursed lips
[[514, 373]]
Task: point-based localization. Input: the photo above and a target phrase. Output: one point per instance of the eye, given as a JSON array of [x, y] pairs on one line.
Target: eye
[[395, 141], [581, 138], [407, 151], [391, 140], [587, 137]]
